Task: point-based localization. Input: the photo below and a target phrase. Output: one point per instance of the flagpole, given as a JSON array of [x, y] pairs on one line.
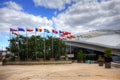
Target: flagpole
[[44, 47], [35, 44], [59, 48], [18, 45], [60, 43], [70, 50], [52, 45], [10, 41], [27, 43]]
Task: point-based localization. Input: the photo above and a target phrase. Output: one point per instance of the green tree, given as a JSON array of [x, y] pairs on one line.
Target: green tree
[[32, 46]]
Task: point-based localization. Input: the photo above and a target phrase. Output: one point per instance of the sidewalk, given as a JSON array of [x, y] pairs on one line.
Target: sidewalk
[[116, 65]]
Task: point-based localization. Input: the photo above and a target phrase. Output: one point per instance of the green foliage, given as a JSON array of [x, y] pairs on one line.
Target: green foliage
[[108, 53], [30, 46], [80, 56], [100, 59]]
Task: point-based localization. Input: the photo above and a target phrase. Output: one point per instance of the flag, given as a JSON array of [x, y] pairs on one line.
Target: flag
[[11, 29], [66, 33], [68, 37], [63, 34], [54, 31], [29, 30], [46, 30], [71, 37], [15, 33], [38, 30], [21, 29], [60, 33]]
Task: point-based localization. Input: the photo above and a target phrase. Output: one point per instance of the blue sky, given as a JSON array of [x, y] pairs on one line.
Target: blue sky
[[30, 8], [75, 16]]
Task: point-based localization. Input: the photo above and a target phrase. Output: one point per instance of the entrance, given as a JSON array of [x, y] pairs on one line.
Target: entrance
[[90, 54]]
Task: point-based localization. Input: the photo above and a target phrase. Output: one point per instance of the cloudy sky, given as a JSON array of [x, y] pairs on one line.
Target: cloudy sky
[[67, 15]]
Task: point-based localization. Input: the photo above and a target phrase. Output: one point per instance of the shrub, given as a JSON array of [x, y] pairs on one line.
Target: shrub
[[100, 59], [108, 55], [80, 56]]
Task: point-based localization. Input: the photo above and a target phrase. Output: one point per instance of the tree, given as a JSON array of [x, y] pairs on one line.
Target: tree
[[31, 47]]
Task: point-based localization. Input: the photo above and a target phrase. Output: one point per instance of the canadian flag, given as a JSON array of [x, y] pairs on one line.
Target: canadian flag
[[29, 30], [54, 31]]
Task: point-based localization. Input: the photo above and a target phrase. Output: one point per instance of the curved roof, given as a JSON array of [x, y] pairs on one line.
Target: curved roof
[[104, 37], [110, 40]]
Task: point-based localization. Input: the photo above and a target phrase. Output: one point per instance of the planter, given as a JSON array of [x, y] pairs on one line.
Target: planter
[[108, 57], [17, 59], [80, 61], [52, 59], [38, 59], [66, 58], [41, 59], [108, 65], [29, 59], [62, 58], [100, 63], [4, 61]]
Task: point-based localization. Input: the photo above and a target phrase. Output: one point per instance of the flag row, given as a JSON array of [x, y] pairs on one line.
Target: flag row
[[40, 30], [61, 33]]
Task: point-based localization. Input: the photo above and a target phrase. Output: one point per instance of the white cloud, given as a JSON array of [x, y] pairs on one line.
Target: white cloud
[[52, 4], [87, 15], [13, 5], [12, 15], [84, 15]]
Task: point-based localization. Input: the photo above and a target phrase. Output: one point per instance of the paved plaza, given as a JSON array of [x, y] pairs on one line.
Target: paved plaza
[[74, 71]]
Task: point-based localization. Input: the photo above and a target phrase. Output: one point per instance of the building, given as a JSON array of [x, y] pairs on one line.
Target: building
[[95, 42]]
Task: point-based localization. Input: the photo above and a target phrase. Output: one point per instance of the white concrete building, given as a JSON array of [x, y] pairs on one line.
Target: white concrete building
[[98, 40]]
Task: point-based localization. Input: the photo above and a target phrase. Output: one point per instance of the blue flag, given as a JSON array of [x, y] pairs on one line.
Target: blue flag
[[60, 33], [46, 30], [21, 29]]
